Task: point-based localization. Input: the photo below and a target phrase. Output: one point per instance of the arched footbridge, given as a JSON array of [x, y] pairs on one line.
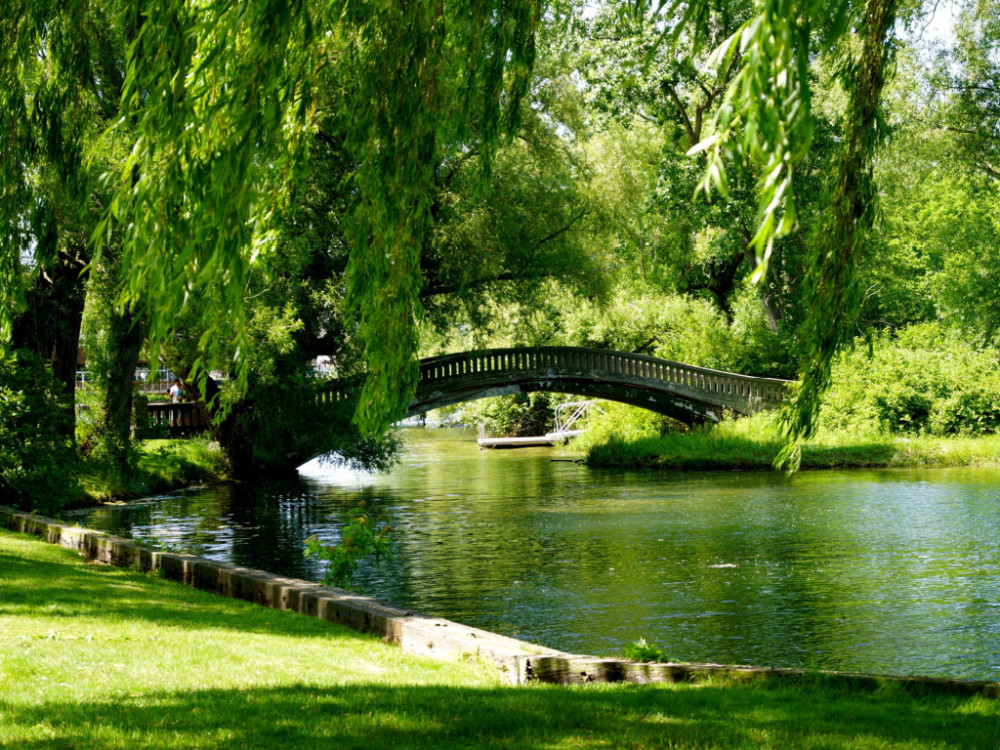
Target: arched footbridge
[[684, 392]]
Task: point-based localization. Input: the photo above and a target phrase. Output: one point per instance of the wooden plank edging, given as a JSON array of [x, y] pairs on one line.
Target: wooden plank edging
[[579, 670], [518, 661]]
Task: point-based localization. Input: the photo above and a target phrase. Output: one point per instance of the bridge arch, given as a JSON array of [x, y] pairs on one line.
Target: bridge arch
[[684, 392]]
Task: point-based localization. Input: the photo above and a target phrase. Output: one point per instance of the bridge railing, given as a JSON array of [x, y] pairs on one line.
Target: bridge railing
[[766, 391], [185, 417], [742, 393]]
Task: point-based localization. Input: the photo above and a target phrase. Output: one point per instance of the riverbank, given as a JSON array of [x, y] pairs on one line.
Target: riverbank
[[99, 657], [163, 465], [751, 444]]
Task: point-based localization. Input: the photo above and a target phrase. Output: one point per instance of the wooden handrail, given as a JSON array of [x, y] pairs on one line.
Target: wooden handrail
[[186, 414]]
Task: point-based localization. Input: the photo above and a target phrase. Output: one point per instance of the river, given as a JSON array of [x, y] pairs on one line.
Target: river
[[875, 571]]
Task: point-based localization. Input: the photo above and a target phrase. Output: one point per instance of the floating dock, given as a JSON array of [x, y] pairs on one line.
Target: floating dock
[[550, 438]]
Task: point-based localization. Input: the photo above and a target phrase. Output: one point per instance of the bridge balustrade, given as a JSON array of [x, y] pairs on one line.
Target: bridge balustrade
[[614, 363], [181, 418], [740, 392]]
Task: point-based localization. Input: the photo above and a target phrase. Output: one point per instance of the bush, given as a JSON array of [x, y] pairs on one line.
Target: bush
[[641, 651], [619, 423], [640, 319], [361, 537], [924, 381], [38, 460], [519, 415]]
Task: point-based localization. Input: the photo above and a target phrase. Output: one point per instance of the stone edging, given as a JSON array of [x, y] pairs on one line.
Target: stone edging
[[518, 661]]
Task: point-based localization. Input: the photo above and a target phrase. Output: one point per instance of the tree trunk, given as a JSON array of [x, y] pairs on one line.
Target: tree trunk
[[125, 336], [767, 297], [722, 282], [50, 325], [226, 429]]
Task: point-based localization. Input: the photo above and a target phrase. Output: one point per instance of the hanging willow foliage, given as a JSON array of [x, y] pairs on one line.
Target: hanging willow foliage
[[765, 119], [221, 100], [832, 288], [425, 68], [218, 107], [765, 122], [45, 107]]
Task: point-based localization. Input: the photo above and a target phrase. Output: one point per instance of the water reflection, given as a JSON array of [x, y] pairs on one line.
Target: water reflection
[[871, 571]]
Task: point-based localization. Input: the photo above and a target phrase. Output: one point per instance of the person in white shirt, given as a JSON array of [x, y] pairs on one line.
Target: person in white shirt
[[176, 392]]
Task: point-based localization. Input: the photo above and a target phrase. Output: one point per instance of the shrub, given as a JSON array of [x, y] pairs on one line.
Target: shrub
[[641, 651], [519, 415], [38, 461], [361, 537], [924, 381], [618, 423]]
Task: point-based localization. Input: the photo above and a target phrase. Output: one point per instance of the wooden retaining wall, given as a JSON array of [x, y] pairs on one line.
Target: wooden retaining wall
[[518, 661]]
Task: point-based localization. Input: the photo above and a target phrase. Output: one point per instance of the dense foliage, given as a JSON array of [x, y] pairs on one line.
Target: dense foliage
[[748, 185], [925, 380], [38, 464]]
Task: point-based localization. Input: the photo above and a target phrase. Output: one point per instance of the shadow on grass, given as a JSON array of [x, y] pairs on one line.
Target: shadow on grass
[[55, 589], [366, 716], [771, 714]]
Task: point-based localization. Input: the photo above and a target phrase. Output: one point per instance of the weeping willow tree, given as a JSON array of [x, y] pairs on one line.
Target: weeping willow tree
[[46, 108], [765, 124], [220, 100], [219, 104]]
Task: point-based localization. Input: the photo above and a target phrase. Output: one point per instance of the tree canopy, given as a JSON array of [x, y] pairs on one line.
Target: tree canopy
[[414, 151]]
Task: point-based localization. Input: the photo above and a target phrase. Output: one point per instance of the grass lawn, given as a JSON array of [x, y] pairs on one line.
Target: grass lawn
[[163, 465], [97, 657], [751, 444]]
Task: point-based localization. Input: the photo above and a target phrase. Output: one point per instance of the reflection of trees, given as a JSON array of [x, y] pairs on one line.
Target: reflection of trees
[[273, 519], [256, 525], [544, 538]]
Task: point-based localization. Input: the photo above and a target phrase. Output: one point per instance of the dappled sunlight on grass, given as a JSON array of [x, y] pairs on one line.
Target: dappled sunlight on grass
[[91, 593], [163, 465], [366, 715]]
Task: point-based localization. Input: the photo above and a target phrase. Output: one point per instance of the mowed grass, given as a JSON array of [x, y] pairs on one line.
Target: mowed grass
[[96, 657]]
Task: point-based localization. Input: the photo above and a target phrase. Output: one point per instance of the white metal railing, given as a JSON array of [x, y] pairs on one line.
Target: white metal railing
[[567, 415]]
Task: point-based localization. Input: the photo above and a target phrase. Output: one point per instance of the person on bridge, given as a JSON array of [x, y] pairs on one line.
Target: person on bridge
[[176, 392]]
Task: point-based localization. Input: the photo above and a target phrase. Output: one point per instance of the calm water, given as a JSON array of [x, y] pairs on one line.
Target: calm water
[[892, 572]]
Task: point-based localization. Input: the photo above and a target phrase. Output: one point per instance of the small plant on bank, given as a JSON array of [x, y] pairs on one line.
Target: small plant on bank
[[362, 536], [157, 545], [641, 651]]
